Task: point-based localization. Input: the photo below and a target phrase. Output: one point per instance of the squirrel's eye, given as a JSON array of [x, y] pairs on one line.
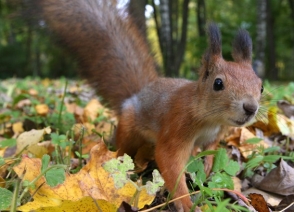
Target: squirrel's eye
[[261, 89], [218, 84]]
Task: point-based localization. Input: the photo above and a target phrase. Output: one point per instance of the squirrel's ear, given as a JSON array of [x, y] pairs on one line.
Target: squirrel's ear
[[215, 42], [242, 47]]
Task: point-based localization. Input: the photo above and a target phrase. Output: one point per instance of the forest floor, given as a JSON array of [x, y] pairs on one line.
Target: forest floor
[[56, 155]]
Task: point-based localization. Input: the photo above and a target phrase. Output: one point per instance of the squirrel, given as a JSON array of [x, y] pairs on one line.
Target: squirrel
[[170, 116]]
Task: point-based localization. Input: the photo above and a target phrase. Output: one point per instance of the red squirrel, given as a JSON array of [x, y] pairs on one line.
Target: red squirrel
[[170, 116]]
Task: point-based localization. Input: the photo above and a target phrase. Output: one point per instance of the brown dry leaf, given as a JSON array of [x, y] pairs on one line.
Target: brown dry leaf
[[2, 182], [22, 103], [76, 110], [286, 201], [91, 110], [233, 137], [286, 107], [31, 140], [33, 92], [92, 180], [270, 198], [237, 184], [74, 89], [70, 107], [258, 202], [42, 109], [89, 142], [105, 129], [280, 180], [85, 129], [238, 138]]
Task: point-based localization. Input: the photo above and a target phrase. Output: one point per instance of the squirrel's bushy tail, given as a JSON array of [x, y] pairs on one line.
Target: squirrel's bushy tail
[[112, 53]]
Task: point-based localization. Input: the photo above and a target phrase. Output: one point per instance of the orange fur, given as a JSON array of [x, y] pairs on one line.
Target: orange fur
[[168, 117]]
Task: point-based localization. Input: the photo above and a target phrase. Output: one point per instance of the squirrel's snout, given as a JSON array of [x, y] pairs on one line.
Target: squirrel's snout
[[250, 108]]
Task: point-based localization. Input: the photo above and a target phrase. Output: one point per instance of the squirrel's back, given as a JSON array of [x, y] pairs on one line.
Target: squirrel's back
[[111, 51]]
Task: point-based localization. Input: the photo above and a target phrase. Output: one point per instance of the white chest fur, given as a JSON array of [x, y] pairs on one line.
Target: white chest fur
[[206, 135]]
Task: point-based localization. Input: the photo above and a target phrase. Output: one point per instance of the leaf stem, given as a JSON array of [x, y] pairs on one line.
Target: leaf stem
[[60, 166]]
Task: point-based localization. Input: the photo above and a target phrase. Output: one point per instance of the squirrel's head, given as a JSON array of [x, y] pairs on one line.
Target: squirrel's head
[[230, 90]]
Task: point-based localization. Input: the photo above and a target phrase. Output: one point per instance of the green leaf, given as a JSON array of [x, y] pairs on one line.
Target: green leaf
[[253, 140], [45, 162], [196, 168], [6, 198], [55, 176], [118, 167], [220, 161], [271, 158], [221, 180], [2, 161], [232, 168], [254, 162], [85, 156], [11, 142], [221, 205], [272, 149], [55, 138], [195, 165], [157, 182]]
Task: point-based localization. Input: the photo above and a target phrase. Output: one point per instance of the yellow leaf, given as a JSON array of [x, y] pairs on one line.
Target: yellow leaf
[[279, 123], [46, 82], [91, 110], [84, 204], [42, 109], [92, 180], [2, 182], [17, 128], [30, 139]]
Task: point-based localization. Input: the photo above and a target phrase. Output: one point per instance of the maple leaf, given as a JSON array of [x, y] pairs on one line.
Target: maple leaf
[[91, 181]]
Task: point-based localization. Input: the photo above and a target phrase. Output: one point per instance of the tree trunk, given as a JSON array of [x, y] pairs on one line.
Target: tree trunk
[[258, 64], [172, 36], [201, 17], [272, 69], [137, 11], [166, 36], [291, 4], [181, 44]]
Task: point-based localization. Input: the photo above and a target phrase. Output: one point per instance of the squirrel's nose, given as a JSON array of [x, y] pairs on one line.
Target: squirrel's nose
[[250, 108]]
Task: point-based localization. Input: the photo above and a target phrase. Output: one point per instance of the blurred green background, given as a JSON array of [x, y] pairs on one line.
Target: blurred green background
[[176, 30]]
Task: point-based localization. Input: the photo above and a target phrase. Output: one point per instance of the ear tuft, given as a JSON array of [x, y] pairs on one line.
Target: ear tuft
[[215, 43], [242, 47]]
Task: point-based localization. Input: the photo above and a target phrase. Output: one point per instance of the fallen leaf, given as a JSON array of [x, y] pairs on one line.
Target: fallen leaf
[[91, 110], [22, 103], [92, 180], [2, 182], [286, 107], [258, 202], [270, 198], [17, 128], [33, 92], [280, 180], [31, 139], [286, 201], [238, 138], [42, 109], [279, 123], [56, 205]]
